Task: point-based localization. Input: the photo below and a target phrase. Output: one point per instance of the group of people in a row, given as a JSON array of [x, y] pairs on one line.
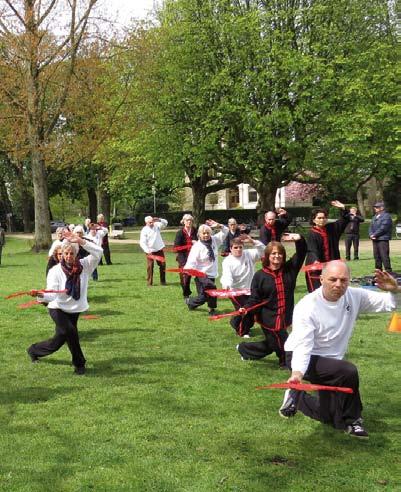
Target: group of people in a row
[[322, 322]]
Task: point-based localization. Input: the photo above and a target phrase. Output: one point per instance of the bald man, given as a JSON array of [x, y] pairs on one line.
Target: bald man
[[322, 325], [274, 226]]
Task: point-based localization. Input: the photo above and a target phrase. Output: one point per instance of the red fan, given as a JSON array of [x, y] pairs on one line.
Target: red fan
[[41, 291], [224, 294], [162, 259], [174, 249], [189, 271], [312, 267], [306, 387], [90, 316], [236, 313]]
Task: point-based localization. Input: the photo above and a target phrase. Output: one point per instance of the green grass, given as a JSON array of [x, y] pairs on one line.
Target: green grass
[[167, 404]]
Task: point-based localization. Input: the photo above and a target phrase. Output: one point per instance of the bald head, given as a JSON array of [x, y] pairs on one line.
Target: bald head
[[335, 280]]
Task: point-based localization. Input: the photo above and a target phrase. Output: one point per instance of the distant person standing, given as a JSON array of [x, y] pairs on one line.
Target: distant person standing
[[352, 233], [234, 230], [184, 239], [152, 243], [274, 226], [105, 242], [380, 233], [2, 240]]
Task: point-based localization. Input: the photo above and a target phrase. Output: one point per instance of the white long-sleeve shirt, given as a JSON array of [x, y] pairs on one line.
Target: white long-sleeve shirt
[[321, 327], [151, 240], [198, 257], [238, 271], [56, 280], [98, 237]]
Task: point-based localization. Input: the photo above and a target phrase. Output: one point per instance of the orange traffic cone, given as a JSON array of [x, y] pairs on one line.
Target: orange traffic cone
[[395, 323]]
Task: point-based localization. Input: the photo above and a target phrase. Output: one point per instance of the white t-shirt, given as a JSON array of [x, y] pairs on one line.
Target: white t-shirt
[[151, 240], [238, 271], [321, 327]]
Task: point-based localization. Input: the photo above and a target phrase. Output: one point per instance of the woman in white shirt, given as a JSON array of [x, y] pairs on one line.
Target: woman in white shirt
[[72, 275]]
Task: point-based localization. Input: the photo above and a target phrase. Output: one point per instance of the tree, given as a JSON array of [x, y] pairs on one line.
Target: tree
[[42, 64]]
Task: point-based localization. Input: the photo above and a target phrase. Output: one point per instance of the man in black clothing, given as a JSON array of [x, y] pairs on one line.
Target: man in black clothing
[[352, 233], [274, 226]]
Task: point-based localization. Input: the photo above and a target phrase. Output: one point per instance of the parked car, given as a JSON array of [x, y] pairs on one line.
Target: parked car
[[55, 224], [116, 231], [129, 221]]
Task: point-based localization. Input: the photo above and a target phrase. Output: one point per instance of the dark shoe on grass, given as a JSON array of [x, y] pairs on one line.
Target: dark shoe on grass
[[79, 371], [356, 430], [289, 406], [34, 358]]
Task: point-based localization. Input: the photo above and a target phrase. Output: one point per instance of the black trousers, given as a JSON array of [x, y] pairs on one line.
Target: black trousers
[[381, 253], [66, 332], [273, 342], [202, 284], [161, 265], [351, 240], [331, 407], [185, 280], [242, 324], [106, 254]]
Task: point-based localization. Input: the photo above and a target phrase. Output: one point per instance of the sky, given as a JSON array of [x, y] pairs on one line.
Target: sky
[[126, 9]]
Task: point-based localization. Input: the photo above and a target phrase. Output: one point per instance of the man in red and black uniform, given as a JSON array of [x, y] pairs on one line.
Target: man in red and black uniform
[[274, 226], [323, 241], [184, 239], [275, 283]]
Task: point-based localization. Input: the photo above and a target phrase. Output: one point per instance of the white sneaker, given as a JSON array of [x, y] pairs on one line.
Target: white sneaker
[[246, 335]]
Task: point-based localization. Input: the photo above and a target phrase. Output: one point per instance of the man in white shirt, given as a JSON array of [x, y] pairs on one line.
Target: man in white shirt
[[152, 244], [238, 271], [323, 323]]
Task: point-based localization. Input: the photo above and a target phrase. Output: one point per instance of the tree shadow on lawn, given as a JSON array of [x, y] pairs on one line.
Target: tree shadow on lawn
[[32, 394], [120, 366]]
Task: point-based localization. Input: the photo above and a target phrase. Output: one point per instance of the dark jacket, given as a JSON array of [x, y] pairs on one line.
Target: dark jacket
[[315, 242], [180, 240], [225, 249], [281, 224], [353, 224], [381, 227]]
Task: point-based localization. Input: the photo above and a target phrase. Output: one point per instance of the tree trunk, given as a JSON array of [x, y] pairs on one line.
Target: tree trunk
[[92, 198], [266, 199], [105, 204], [198, 201], [359, 198]]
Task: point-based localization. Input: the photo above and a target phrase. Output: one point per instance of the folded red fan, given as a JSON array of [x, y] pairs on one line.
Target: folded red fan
[[162, 259], [40, 291], [90, 316], [223, 293], [174, 249], [189, 271], [236, 313], [312, 267], [306, 387]]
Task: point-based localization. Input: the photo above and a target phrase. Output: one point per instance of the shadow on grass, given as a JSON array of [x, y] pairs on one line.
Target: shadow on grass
[[31, 395], [118, 366], [92, 334]]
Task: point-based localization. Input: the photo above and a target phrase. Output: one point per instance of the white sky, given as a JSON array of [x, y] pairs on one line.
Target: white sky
[[125, 10]]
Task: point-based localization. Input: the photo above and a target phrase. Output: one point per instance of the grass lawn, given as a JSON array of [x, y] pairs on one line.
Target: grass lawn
[[168, 405]]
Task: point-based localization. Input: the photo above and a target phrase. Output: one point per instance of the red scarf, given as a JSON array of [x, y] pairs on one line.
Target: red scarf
[[323, 234], [272, 230], [278, 280], [73, 274]]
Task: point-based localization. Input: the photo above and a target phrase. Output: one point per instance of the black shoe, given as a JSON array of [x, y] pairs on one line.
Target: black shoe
[[356, 259], [34, 358], [79, 371], [348, 259], [356, 430], [290, 404], [212, 312]]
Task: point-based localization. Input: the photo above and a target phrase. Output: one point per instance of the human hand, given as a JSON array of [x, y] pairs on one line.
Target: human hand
[[385, 281], [287, 236], [296, 377], [336, 203], [212, 223]]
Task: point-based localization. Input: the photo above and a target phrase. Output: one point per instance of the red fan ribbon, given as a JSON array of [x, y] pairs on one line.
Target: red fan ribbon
[[41, 291], [313, 267], [189, 271], [223, 293], [306, 387], [236, 313], [90, 316], [174, 249], [162, 259]]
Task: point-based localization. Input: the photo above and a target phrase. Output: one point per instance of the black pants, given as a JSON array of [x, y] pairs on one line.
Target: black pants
[[66, 332], [273, 342], [202, 284], [381, 253], [161, 265], [351, 239], [185, 280], [106, 254], [242, 324], [330, 407]]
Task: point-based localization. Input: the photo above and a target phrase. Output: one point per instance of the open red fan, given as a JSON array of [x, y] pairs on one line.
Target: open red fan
[[174, 249], [40, 291], [306, 387], [225, 293]]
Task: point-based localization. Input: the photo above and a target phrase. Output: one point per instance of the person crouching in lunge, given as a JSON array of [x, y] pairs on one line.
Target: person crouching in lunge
[[71, 274]]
